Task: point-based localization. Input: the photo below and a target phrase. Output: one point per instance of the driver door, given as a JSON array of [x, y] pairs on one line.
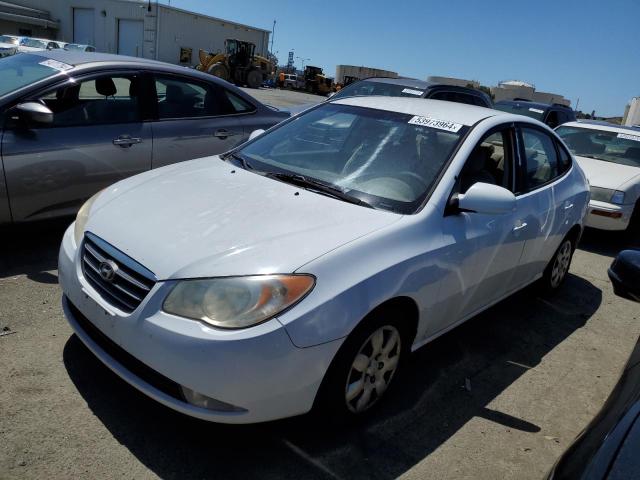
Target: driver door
[[482, 251]]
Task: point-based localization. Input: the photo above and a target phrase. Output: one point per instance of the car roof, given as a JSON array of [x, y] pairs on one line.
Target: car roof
[[404, 81], [439, 109], [77, 58], [532, 104], [607, 127]]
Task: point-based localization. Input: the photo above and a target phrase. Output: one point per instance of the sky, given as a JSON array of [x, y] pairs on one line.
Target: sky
[[587, 50]]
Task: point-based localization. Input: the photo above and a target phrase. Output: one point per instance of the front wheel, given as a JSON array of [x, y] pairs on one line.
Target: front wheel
[[557, 269], [254, 79], [364, 368]]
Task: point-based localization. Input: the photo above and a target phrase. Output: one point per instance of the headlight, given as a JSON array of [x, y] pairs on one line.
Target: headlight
[[82, 217], [617, 197], [607, 195], [237, 302]]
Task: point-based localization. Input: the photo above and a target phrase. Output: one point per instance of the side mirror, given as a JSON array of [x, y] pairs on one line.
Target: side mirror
[[256, 133], [625, 275], [34, 112], [488, 199]]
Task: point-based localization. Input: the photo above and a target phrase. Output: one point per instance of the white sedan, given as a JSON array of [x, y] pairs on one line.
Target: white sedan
[[299, 269], [610, 157]]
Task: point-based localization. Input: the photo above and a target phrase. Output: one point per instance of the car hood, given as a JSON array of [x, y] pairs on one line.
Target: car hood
[[207, 218], [607, 174]]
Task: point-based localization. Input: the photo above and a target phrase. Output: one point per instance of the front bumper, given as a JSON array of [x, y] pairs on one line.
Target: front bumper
[[607, 216], [258, 369]]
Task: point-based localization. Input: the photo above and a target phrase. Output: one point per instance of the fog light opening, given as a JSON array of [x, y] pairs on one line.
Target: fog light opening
[[199, 400]]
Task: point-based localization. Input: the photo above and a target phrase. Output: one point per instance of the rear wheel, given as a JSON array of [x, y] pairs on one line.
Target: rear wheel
[[365, 367], [557, 269], [254, 79]]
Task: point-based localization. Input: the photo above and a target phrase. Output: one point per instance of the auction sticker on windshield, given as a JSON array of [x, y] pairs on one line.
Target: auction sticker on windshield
[[435, 123], [61, 67], [536, 110], [411, 91], [626, 136]]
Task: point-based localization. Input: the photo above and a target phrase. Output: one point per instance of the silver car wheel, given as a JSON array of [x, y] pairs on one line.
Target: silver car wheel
[[373, 368], [561, 264]]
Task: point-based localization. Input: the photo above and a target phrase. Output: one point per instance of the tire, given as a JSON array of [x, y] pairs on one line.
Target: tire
[[219, 70], [557, 269], [364, 369], [254, 79]]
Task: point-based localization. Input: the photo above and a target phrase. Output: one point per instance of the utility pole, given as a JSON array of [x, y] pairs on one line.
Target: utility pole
[[273, 33], [303, 60], [577, 103]]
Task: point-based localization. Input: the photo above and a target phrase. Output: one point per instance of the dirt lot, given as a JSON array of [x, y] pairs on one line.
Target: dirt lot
[[538, 370]]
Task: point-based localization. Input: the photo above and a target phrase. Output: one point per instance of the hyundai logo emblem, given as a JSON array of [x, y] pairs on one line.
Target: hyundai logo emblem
[[108, 270]]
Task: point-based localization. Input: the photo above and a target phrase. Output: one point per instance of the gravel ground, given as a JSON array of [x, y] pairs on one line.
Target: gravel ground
[[537, 370]]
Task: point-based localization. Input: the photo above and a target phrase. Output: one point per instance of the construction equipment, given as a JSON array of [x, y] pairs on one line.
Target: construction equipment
[[238, 64], [316, 82]]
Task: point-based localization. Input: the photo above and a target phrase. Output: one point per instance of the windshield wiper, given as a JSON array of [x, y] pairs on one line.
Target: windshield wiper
[[318, 186], [243, 161]]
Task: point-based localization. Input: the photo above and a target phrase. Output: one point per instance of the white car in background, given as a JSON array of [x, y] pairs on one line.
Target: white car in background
[[30, 44], [610, 157], [299, 269], [8, 45]]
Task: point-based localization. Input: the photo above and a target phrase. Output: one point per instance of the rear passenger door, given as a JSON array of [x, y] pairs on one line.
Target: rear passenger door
[[541, 200], [97, 137], [193, 119]]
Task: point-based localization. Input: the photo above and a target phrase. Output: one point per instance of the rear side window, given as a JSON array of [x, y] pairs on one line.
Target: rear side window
[[541, 157], [180, 97]]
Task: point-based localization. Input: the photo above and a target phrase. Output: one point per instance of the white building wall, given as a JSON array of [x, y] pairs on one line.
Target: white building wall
[[176, 28], [633, 117]]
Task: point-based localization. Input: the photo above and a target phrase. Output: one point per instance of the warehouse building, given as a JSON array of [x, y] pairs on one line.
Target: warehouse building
[[353, 72], [137, 28], [510, 89]]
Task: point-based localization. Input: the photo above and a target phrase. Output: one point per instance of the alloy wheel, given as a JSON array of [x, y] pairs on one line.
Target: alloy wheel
[[561, 264], [373, 368]]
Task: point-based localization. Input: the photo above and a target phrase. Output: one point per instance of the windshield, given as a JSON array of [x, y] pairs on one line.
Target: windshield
[[21, 70], [9, 40], [382, 158], [366, 88], [615, 147], [32, 42], [520, 109]]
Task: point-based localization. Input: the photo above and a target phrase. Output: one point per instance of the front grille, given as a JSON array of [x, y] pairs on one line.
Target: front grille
[[126, 282], [124, 358]]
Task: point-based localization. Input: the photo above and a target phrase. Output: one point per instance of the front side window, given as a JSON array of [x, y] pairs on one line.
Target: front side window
[[383, 158], [490, 162], [541, 158], [102, 100], [366, 88], [608, 146], [186, 98]]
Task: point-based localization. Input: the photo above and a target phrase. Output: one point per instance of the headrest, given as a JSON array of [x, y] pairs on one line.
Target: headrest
[[174, 93], [633, 152], [477, 161], [105, 86]]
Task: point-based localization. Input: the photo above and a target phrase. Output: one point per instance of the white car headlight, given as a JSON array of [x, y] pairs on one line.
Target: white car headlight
[[237, 302], [617, 197], [82, 217]]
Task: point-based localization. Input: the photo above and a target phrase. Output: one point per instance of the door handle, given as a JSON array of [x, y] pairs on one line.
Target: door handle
[[568, 207], [126, 141], [519, 227], [222, 133]]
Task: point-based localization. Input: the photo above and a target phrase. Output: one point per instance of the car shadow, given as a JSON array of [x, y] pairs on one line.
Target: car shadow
[[444, 386], [32, 249], [609, 243]]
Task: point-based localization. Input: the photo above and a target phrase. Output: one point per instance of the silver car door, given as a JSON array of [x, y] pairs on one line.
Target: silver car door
[[97, 137], [193, 120]]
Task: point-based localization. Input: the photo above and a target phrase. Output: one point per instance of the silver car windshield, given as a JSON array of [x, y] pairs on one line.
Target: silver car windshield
[[21, 70], [615, 147], [387, 159], [368, 88]]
